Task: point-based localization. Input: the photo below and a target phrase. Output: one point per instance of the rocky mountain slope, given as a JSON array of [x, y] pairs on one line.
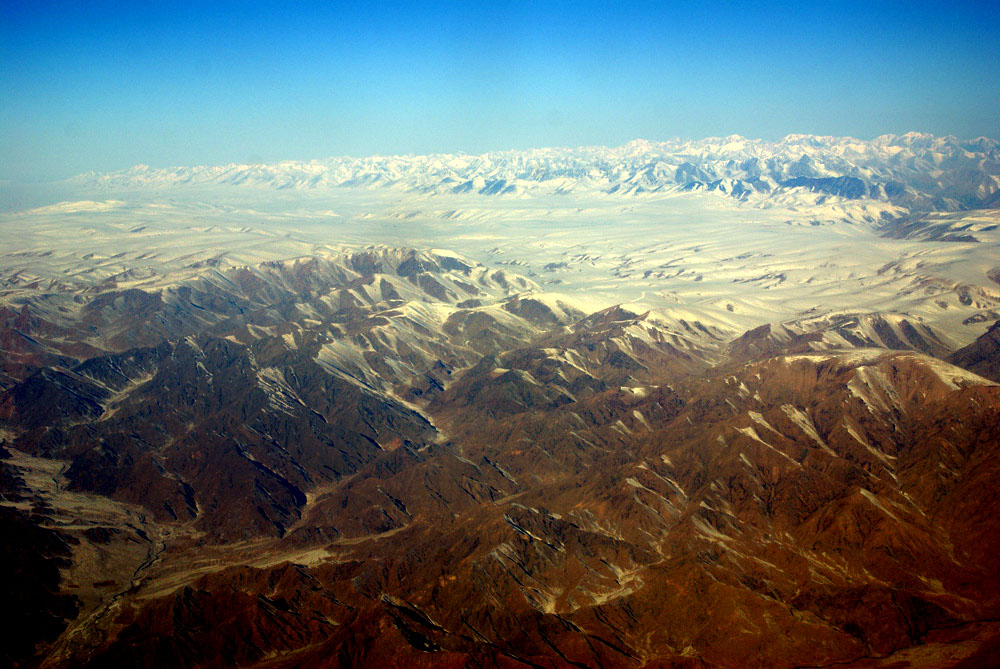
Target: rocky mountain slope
[[388, 457], [981, 356]]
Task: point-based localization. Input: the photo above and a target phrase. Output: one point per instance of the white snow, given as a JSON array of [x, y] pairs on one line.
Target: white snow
[[701, 257], [803, 420]]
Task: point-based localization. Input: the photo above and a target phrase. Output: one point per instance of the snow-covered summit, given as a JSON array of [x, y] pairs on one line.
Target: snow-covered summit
[[916, 170]]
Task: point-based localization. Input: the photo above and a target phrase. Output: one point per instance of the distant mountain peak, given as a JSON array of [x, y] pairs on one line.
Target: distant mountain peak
[[915, 170]]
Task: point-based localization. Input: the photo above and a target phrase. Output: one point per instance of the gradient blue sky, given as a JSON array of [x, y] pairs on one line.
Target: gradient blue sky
[[105, 86]]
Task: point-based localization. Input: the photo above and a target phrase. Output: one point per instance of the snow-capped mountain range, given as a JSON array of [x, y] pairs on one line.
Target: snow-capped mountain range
[[498, 406], [916, 170]]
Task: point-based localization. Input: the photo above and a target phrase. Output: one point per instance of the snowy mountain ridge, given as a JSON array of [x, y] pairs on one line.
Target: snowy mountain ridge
[[915, 170]]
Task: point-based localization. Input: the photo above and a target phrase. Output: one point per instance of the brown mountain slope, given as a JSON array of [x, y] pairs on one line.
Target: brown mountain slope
[[981, 356], [806, 510], [394, 460]]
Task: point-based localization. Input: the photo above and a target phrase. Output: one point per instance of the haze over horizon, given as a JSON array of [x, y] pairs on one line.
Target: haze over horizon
[[99, 87]]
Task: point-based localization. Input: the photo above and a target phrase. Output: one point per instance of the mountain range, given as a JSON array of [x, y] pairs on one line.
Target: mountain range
[[714, 403], [914, 170]]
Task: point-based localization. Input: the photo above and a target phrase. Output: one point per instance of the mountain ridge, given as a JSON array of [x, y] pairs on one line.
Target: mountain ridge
[[681, 404], [394, 456], [891, 168]]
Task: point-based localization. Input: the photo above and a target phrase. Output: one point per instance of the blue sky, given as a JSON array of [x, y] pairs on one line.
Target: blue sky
[[108, 85]]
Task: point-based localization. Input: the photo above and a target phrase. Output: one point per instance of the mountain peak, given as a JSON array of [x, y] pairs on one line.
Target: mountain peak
[[682, 165]]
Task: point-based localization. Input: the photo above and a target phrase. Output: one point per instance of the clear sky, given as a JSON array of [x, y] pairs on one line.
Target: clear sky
[[103, 86]]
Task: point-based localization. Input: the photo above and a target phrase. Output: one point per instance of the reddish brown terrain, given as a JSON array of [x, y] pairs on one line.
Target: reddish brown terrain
[[398, 458]]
